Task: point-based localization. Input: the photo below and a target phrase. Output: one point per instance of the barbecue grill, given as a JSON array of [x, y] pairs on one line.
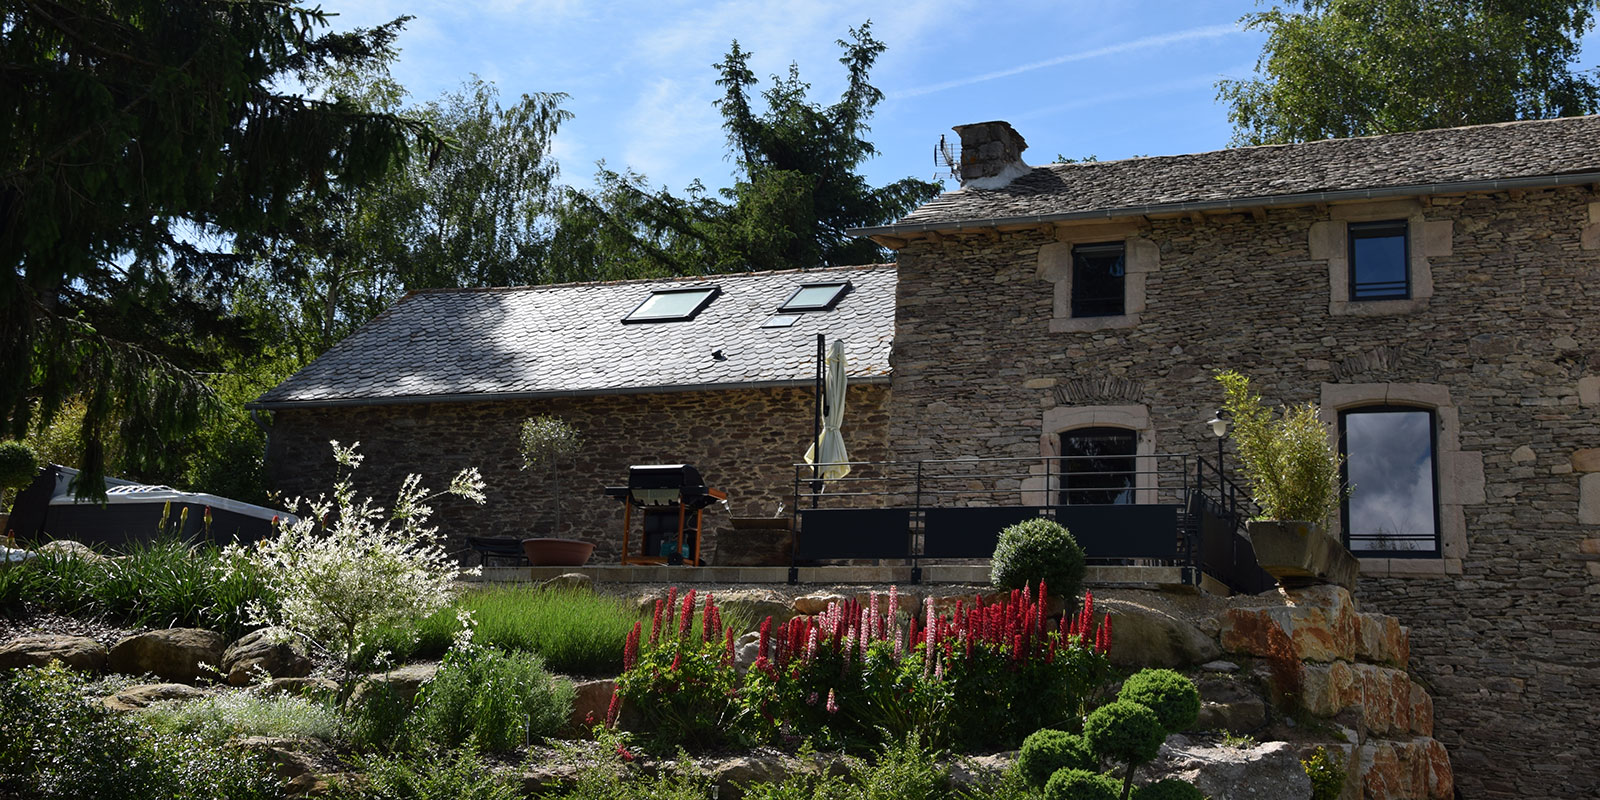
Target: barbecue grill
[[659, 489]]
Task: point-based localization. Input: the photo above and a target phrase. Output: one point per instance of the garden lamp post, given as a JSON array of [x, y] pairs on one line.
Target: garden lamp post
[[1219, 427]]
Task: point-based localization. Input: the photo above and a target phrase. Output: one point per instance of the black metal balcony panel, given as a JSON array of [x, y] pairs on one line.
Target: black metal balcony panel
[[853, 533], [1124, 531], [970, 532]]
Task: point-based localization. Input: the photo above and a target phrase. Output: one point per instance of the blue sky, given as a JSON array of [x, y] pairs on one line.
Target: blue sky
[[1112, 79]]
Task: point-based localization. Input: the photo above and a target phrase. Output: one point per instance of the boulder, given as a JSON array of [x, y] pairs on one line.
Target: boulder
[[1268, 771], [66, 548], [1301, 554], [1381, 639], [589, 706], [544, 778], [405, 682], [752, 605], [1315, 624], [731, 775], [746, 649], [971, 774], [816, 602], [176, 654], [136, 697], [1384, 698], [1143, 636], [1406, 769], [1229, 705], [78, 652], [567, 582], [272, 652]]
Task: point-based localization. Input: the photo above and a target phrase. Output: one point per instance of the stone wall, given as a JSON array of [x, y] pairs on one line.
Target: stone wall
[[1504, 625], [742, 441]]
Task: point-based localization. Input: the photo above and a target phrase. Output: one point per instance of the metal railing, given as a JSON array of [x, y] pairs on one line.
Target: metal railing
[[1156, 509]]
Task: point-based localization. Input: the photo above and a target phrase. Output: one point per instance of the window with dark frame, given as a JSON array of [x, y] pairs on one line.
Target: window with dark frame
[[673, 305], [1391, 465], [1099, 274], [1098, 466], [815, 297], [1379, 261]]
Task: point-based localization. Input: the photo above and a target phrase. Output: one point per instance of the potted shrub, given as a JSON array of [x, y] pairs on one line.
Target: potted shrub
[[1292, 470], [547, 442]]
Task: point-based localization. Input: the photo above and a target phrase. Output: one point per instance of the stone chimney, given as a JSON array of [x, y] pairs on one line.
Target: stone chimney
[[991, 154]]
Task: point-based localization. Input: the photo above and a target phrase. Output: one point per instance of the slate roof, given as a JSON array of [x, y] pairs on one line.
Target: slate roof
[[1514, 150], [569, 340]]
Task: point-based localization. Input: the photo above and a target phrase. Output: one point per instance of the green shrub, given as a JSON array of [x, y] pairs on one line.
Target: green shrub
[[498, 700], [1046, 751], [1081, 784], [1173, 697], [905, 770], [1038, 550], [1168, 789], [375, 717], [237, 714], [1124, 731], [1326, 774], [446, 775], [1292, 467], [60, 746], [18, 467]]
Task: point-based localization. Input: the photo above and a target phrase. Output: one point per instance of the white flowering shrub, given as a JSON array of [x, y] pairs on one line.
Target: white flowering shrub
[[348, 568]]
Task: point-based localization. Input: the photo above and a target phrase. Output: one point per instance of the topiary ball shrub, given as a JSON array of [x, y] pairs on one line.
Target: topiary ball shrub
[[1173, 697], [18, 465], [1124, 731], [1081, 784], [1038, 550], [1046, 751], [1168, 789]]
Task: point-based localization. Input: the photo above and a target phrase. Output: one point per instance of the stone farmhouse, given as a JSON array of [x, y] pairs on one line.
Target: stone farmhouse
[[1435, 292]]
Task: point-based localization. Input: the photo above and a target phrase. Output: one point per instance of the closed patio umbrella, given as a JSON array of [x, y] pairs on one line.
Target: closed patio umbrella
[[830, 443]]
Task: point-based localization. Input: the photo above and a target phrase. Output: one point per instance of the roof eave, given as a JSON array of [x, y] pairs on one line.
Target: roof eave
[[482, 397], [1240, 204]]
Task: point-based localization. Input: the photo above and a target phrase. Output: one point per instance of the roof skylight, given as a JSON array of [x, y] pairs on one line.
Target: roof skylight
[[673, 305], [815, 297]]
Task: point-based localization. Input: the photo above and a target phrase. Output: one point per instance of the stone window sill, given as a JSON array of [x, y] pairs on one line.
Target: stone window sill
[[1079, 324], [1377, 308], [1410, 567]]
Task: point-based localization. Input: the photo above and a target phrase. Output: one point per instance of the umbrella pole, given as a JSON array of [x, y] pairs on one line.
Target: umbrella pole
[[816, 422]]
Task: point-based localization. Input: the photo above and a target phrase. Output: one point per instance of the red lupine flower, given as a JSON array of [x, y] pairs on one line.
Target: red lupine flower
[[626, 754], [1103, 643], [655, 624], [705, 619], [728, 656], [766, 631], [1044, 605], [613, 708], [1016, 648], [686, 614], [630, 650], [677, 660]]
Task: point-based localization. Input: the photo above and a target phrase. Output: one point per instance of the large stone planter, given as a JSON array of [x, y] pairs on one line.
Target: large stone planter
[[557, 552], [1299, 553]]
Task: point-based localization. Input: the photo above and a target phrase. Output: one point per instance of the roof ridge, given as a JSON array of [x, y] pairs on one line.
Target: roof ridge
[[1063, 165], [664, 279]]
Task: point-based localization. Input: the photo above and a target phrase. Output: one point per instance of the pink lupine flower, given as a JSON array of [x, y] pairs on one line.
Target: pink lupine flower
[[876, 627], [833, 703], [812, 700]]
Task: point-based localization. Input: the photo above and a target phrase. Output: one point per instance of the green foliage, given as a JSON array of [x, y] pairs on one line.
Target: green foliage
[[496, 700], [1045, 751], [375, 717], [121, 124], [1124, 731], [575, 632], [58, 745], [1018, 698], [18, 467], [235, 715], [902, 768], [1168, 789], [1326, 774], [427, 775], [1080, 784], [1342, 68], [164, 583], [1172, 696], [1038, 550], [1238, 741], [1291, 465]]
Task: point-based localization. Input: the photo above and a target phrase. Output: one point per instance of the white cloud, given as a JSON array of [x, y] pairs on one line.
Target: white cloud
[[670, 127], [1147, 43]]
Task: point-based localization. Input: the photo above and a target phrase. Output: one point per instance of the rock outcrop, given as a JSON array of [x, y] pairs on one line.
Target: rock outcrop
[[176, 654], [78, 652], [269, 652]]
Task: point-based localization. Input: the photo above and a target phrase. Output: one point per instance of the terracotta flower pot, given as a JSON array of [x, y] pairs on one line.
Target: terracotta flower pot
[[557, 552]]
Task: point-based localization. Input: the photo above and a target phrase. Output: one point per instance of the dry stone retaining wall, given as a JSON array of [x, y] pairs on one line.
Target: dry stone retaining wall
[[1503, 627], [742, 441]]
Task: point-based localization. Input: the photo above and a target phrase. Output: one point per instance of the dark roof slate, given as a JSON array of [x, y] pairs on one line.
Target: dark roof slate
[[1527, 149], [569, 339]]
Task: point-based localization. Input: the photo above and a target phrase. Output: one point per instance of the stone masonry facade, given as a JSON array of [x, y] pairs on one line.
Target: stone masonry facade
[[743, 441], [1501, 343]]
